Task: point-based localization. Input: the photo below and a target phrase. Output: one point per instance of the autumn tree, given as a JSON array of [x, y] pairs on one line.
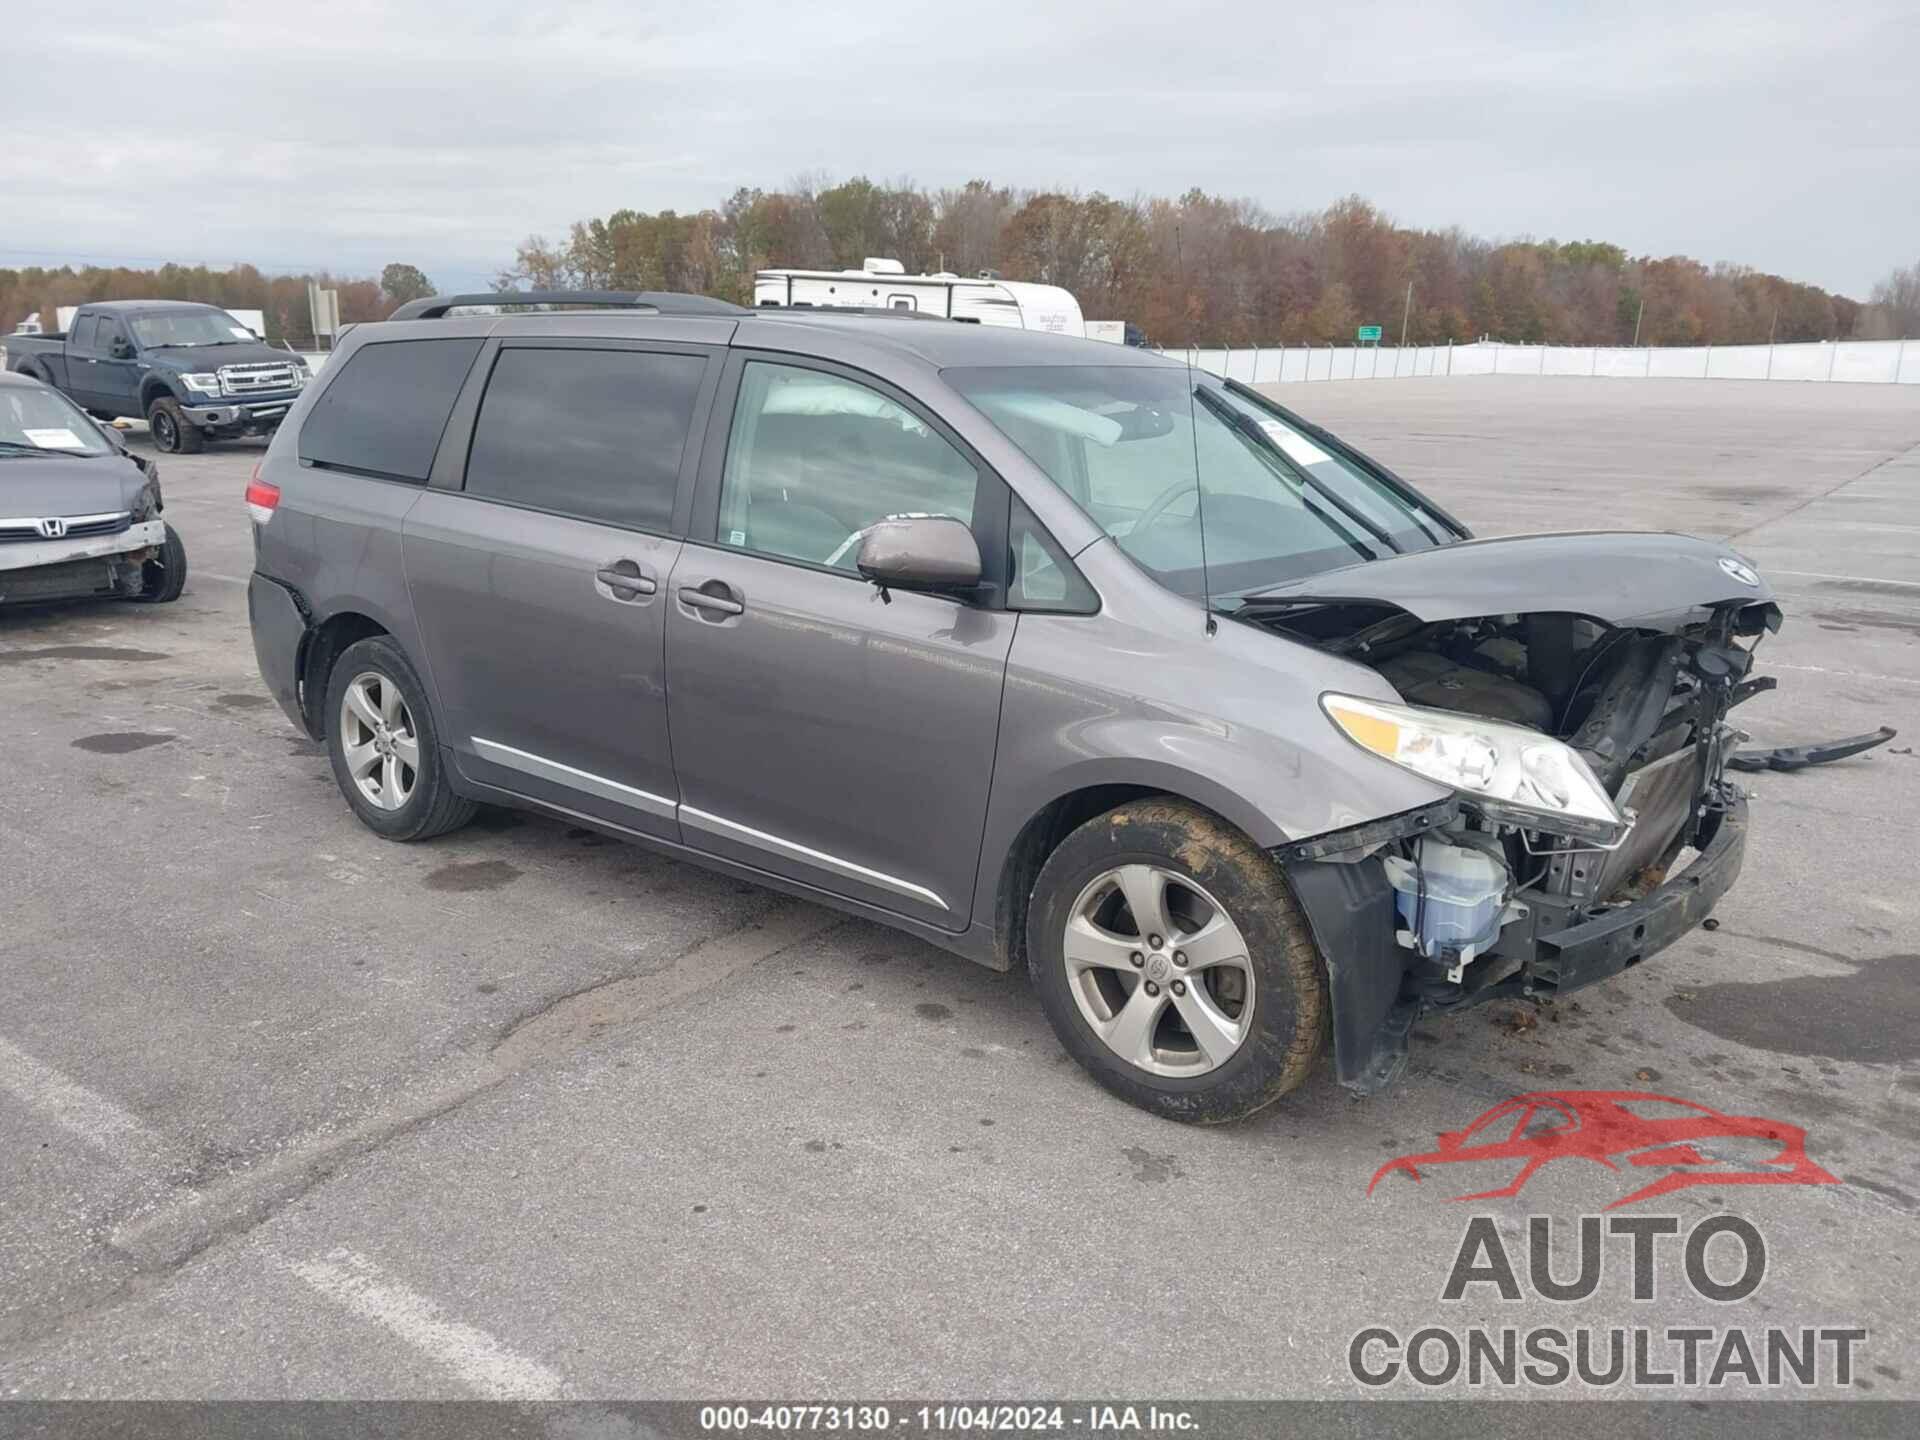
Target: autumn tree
[[1195, 268], [401, 283], [1894, 311]]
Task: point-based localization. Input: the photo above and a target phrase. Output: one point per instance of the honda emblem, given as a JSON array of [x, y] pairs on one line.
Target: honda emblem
[[52, 529]]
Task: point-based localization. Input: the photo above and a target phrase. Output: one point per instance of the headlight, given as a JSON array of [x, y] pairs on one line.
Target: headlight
[[202, 384], [1519, 775]]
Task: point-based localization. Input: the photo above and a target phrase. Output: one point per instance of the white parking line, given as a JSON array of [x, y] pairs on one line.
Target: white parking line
[[97, 1120], [480, 1361], [1857, 579]]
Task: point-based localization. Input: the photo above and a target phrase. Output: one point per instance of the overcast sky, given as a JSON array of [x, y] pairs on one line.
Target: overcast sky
[[363, 131]]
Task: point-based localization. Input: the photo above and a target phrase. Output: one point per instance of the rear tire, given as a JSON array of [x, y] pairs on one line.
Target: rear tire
[[385, 745], [173, 433], [1252, 981], [165, 578]]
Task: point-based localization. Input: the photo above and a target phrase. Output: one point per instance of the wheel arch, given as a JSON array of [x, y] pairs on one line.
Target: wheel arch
[[319, 649], [1059, 816], [154, 387]]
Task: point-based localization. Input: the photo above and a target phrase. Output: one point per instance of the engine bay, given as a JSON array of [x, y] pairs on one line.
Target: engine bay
[[1644, 709]]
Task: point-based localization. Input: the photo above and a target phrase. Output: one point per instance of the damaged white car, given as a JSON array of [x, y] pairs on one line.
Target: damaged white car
[[79, 513]]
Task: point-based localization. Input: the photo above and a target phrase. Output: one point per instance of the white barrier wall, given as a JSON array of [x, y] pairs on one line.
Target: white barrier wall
[[1880, 362]]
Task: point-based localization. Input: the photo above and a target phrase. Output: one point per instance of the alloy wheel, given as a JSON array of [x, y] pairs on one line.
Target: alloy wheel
[[1159, 970], [378, 740]]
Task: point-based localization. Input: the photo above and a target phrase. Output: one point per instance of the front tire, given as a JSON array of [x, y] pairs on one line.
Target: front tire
[[162, 580], [1174, 964], [385, 746], [173, 433]]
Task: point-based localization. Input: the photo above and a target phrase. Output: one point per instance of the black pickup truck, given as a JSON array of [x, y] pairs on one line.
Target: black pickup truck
[[192, 371]]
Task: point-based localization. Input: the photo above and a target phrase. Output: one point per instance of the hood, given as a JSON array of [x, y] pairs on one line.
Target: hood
[[31, 488], [212, 357], [1651, 580]]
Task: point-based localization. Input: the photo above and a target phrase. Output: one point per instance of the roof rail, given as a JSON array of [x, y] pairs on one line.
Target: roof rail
[[659, 302]]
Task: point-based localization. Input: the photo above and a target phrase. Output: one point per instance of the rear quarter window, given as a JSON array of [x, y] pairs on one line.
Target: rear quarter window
[[383, 414]]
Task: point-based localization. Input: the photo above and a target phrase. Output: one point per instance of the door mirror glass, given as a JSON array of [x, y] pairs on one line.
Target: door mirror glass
[[120, 348], [923, 552]]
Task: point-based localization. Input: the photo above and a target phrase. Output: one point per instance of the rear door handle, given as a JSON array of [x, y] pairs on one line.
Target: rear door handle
[[624, 575], [713, 604]]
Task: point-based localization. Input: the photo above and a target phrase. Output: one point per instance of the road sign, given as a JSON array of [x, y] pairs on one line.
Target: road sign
[[1368, 332]]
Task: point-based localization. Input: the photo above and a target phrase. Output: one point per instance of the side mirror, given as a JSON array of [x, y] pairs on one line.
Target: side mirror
[[121, 348], [932, 553]]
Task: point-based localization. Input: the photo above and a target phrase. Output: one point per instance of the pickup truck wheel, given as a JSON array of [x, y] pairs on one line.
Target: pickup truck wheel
[[385, 746], [1174, 965], [173, 433], [164, 579]]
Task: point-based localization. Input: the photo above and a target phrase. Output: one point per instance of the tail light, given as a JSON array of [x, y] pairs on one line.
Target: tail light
[[263, 497]]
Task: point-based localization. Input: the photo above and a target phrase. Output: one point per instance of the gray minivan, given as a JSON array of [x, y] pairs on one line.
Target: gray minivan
[[1053, 653]]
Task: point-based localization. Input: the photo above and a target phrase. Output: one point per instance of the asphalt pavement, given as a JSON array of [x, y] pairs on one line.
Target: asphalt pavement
[[289, 1111]]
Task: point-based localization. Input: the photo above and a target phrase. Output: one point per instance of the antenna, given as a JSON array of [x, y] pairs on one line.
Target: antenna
[[1193, 429], [1199, 495]]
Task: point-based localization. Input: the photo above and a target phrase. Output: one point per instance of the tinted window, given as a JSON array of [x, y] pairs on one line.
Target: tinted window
[[384, 411], [104, 337], [593, 433], [814, 460], [82, 336]]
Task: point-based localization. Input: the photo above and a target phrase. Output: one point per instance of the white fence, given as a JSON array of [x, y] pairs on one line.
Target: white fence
[[1852, 361]]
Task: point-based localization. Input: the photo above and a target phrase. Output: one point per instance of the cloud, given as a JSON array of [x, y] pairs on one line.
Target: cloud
[[357, 133]]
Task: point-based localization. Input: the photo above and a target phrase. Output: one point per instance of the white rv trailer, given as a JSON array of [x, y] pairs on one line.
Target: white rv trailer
[[884, 284]]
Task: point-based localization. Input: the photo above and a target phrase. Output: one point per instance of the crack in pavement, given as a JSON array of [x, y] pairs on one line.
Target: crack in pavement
[[1793, 510], [160, 1243]]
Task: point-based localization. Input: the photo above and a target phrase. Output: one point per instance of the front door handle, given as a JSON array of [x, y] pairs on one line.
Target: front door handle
[[623, 577], [695, 599]]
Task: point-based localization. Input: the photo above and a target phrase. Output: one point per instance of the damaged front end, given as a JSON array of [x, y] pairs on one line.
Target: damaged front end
[[1592, 821]]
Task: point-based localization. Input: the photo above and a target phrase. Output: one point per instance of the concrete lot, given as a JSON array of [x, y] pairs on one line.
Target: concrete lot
[[263, 1134]]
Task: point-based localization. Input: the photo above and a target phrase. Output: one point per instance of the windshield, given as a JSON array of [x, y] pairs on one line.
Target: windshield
[[1207, 489], [190, 328], [33, 418]]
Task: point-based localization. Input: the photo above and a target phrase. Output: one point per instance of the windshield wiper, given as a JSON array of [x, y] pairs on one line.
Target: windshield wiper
[[21, 447], [1249, 429]]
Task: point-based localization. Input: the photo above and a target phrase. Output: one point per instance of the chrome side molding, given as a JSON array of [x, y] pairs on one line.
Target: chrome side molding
[[542, 768]]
